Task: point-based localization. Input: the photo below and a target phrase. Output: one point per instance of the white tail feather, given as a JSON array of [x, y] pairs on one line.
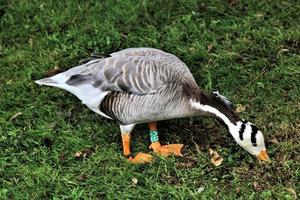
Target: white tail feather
[[87, 93]]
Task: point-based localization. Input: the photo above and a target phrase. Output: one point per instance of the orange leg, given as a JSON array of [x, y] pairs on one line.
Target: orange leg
[[153, 126], [126, 144], [140, 157], [164, 150]]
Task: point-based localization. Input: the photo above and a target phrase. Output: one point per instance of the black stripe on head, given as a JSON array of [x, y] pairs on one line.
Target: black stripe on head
[[242, 129], [253, 135]]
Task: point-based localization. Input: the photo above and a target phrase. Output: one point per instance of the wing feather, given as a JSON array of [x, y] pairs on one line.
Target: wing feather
[[136, 70]]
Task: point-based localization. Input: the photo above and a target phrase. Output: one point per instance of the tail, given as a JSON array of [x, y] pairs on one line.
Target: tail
[[72, 76], [46, 81], [62, 79], [58, 80], [77, 81]]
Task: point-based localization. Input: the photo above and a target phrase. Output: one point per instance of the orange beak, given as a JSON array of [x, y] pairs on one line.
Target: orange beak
[[263, 156]]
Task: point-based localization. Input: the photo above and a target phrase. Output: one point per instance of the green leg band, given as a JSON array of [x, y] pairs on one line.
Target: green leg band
[[154, 136]]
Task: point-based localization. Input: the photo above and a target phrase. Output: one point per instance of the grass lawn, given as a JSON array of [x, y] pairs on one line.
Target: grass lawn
[[248, 50]]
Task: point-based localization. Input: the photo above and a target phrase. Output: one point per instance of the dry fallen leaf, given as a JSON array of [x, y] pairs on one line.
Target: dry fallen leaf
[[256, 186], [280, 157], [84, 153], [77, 154], [240, 108], [274, 141], [53, 71], [82, 177], [134, 181], [233, 2], [210, 47], [216, 159], [187, 162]]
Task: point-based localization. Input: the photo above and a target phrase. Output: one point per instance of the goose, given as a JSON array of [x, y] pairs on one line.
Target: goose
[[146, 85]]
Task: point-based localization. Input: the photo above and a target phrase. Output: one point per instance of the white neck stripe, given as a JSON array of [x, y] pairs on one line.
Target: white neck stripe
[[206, 108]]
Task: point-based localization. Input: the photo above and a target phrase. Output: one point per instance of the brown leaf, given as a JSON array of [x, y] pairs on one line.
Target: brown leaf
[[77, 154], [240, 108], [84, 153], [82, 177], [237, 190], [210, 47], [256, 186], [233, 2], [87, 152], [134, 181], [280, 157], [187, 162], [53, 71], [216, 159], [274, 141]]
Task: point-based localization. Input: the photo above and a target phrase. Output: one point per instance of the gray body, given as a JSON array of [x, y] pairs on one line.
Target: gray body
[[133, 86], [140, 85], [166, 103]]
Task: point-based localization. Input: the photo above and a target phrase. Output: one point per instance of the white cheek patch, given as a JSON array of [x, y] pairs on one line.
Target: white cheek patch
[[247, 132], [260, 140], [247, 136]]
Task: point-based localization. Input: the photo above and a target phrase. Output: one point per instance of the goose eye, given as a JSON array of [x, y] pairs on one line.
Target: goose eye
[[215, 93]]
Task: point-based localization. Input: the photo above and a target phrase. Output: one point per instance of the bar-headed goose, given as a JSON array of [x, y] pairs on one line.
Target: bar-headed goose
[[145, 85]]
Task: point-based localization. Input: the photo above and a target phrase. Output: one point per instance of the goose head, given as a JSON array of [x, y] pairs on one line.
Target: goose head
[[246, 134], [249, 137]]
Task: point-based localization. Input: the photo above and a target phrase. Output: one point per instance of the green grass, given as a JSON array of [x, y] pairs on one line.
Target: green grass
[[254, 60]]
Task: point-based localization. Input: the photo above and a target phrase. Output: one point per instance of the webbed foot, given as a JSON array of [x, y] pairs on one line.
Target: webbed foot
[[166, 150], [141, 158]]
